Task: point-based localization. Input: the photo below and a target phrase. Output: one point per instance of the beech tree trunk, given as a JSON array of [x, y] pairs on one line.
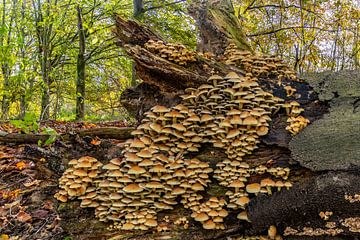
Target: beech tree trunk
[[81, 64], [324, 158]]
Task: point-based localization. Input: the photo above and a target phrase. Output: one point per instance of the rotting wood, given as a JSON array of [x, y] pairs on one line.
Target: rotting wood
[[103, 132]]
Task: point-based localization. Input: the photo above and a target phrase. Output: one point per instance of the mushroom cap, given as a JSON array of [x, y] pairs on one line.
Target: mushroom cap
[[250, 121], [231, 75], [151, 223], [237, 184], [242, 201], [159, 109], [272, 232], [174, 114], [201, 217], [146, 163], [111, 166], [223, 213], [132, 188], [144, 153], [197, 187], [87, 158], [209, 224], [253, 188], [267, 182], [179, 127], [243, 216], [136, 170], [156, 127], [153, 185], [80, 172], [128, 226], [262, 130], [132, 157], [137, 143], [158, 168], [206, 118], [233, 133], [178, 191], [215, 77], [84, 164], [73, 162]]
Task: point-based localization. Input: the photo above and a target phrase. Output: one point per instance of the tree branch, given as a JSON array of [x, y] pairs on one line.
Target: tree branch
[[163, 5], [288, 28]]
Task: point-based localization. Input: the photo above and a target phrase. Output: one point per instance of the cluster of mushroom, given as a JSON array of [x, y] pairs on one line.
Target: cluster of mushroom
[[235, 112], [211, 213], [149, 182], [231, 113], [259, 66], [352, 223], [325, 215], [176, 53], [296, 122], [290, 91], [309, 231], [352, 199], [153, 173], [79, 180]]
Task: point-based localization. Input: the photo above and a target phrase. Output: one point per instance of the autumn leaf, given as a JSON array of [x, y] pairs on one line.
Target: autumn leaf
[[20, 165], [4, 237], [5, 155], [95, 141], [23, 217]]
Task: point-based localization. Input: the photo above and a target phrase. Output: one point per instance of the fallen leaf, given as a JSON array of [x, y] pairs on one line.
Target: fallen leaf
[[4, 237], [40, 213], [3, 211], [29, 184], [23, 217], [96, 142], [20, 165], [5, 155]]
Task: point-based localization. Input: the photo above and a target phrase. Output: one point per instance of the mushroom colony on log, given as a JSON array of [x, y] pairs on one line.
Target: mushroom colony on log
[[230, 112]]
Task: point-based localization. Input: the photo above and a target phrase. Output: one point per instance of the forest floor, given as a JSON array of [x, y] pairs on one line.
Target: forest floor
[[29, 176]]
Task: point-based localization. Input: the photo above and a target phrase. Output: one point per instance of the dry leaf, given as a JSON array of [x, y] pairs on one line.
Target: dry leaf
[[4, 237], [20, 165], [23, 217], [96, 141], [32, 183]]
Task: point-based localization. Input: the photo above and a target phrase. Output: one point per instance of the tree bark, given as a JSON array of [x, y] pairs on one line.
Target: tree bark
[[81, 64], [324, 105], [218, 26]]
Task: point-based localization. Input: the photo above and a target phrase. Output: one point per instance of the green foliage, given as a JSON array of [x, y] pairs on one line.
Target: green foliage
[[28, 125], [53, 135]]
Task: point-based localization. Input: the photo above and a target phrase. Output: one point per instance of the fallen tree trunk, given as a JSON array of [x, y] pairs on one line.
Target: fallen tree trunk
[[102, 132], [324, 158]]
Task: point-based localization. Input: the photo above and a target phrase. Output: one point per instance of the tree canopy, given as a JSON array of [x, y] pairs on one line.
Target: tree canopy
[[42, 43]]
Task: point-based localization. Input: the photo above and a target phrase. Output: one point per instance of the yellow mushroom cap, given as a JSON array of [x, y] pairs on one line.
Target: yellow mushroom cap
[[132, 188], [253, 188], [201, 217]]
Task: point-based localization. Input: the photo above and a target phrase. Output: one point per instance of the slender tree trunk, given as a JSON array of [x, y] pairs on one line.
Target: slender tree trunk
[[81, 64], [23, 97], [138, 12], [138, 8], [5, 72]]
